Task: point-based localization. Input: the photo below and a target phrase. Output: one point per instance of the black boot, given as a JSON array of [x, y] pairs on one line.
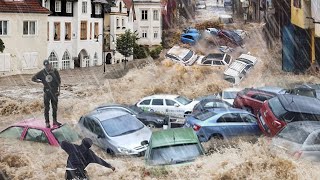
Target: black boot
[[47, 124], [55, 122]]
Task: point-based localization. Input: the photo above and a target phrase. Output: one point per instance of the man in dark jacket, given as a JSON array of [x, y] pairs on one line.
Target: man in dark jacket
[[51, 81], [79, 158]]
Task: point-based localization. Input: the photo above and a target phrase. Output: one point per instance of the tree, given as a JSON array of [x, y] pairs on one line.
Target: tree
[[2, 46], [126, 42]]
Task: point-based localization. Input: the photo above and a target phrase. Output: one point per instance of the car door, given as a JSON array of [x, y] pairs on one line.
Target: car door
[[171, 108], [157, 105], [36, 135], [92, 129], [249, 124], [230, 124], [207, 62]]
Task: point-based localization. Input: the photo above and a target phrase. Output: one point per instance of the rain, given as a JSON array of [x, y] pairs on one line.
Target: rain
[[287, 56]]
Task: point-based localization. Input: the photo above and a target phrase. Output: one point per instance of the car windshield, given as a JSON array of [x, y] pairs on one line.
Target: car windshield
[[183, 100], [205, 116], [245, 60], [121, 125], [65, 133], [174, 154], [276, 107], [227, 59], [188, 56], [136, 109], [300, 135], [229, 94]]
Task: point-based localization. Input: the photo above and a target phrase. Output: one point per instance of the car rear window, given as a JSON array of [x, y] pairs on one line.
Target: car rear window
[[204, 116], [276, 107], [65, 133], [227, 59], [230, 79], [188, 56]]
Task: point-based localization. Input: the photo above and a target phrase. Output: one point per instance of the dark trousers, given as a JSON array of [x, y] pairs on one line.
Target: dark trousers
[[76, 174], [52, 97]]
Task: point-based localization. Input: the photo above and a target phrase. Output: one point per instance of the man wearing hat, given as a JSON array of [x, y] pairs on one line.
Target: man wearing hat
[[51, 81]]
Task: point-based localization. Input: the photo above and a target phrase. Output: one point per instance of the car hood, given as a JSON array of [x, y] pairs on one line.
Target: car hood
[[132, 140]]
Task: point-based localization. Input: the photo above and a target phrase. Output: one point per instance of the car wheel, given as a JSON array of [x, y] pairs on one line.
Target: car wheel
[[111, 152], [249, 109], [151, 125], [151, 110]]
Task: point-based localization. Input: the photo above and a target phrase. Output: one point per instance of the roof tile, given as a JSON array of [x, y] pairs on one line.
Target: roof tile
[[23, 6]]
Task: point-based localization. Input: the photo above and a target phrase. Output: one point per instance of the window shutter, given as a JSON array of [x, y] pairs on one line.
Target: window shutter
[[7, 62], [26, 61], [34, 60]]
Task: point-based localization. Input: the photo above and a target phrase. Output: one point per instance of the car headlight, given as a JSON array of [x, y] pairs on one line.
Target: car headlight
[[125, 150]]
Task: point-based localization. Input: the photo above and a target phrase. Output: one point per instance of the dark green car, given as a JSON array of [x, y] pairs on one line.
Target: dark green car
[[173, 146]]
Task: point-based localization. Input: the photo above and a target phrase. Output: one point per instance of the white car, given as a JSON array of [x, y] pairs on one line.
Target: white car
[[172, 105], [215, 59], [183, 55], [238, 69], [228, 94]]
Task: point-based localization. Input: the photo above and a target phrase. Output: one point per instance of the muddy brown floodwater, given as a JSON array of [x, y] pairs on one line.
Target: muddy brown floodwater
[[26, 160]]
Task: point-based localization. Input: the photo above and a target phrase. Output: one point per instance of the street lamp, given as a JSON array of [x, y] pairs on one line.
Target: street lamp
[[104, 61]]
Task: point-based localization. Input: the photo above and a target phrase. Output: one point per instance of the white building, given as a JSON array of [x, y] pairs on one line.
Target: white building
[[116, 22], [23, 31], [74, 33], [148, 21]]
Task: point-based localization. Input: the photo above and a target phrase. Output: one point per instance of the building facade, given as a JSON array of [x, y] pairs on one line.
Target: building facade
[[119, 19], [23, 27], [74, 33], [148, 22]]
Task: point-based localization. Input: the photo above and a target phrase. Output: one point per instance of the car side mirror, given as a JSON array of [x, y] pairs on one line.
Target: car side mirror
[[176, 105], [144, 142]]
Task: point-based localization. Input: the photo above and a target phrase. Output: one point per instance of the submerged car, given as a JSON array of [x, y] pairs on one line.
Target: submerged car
[[231, 36], [172, 105], [173, 146], [277, 112], [116, 131], [300, 139], [210, 103], [150, 119], [182, 55], [190, 38], [215, 59], [36, 131], [239, 68], [222, 123]]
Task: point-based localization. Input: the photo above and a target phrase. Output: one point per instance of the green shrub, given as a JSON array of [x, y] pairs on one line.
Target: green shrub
[[139, 52], [154, 53], [2, 46]]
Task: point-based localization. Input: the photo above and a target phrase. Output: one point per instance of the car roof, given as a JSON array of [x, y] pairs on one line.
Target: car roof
[[273, 89], [308, 126], [248, 57], [215, 56], [34, 123], [107, 114], [173, 136], [178, 51], [111, 105], [169, 96], [300, 104], [229, 110], [235, 68]]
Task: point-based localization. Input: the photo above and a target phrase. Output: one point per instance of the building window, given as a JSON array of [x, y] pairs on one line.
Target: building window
[[58, 6], [144, 15], [57, 31], [69, 7], [48, 31], [66, 60], [47, 4], [3, 27], [67, 31], [155, 34], [155, 15], [96, 30], [97, 9], [95, 59], [84, 7], [29, 27], [297, 3], [144, 34], [117, 23], [54, 60], [123, 26], [120, 7], [83, 32], [87, 60]]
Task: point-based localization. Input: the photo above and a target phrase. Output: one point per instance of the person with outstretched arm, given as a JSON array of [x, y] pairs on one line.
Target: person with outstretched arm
[[79, 158], [51, 81]]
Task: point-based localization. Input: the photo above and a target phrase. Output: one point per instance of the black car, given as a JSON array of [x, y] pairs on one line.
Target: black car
[[150, 119], [231, 36], [210, 103], [312, 90]]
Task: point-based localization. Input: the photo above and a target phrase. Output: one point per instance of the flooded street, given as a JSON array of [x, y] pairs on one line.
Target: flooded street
[[83, 90]]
